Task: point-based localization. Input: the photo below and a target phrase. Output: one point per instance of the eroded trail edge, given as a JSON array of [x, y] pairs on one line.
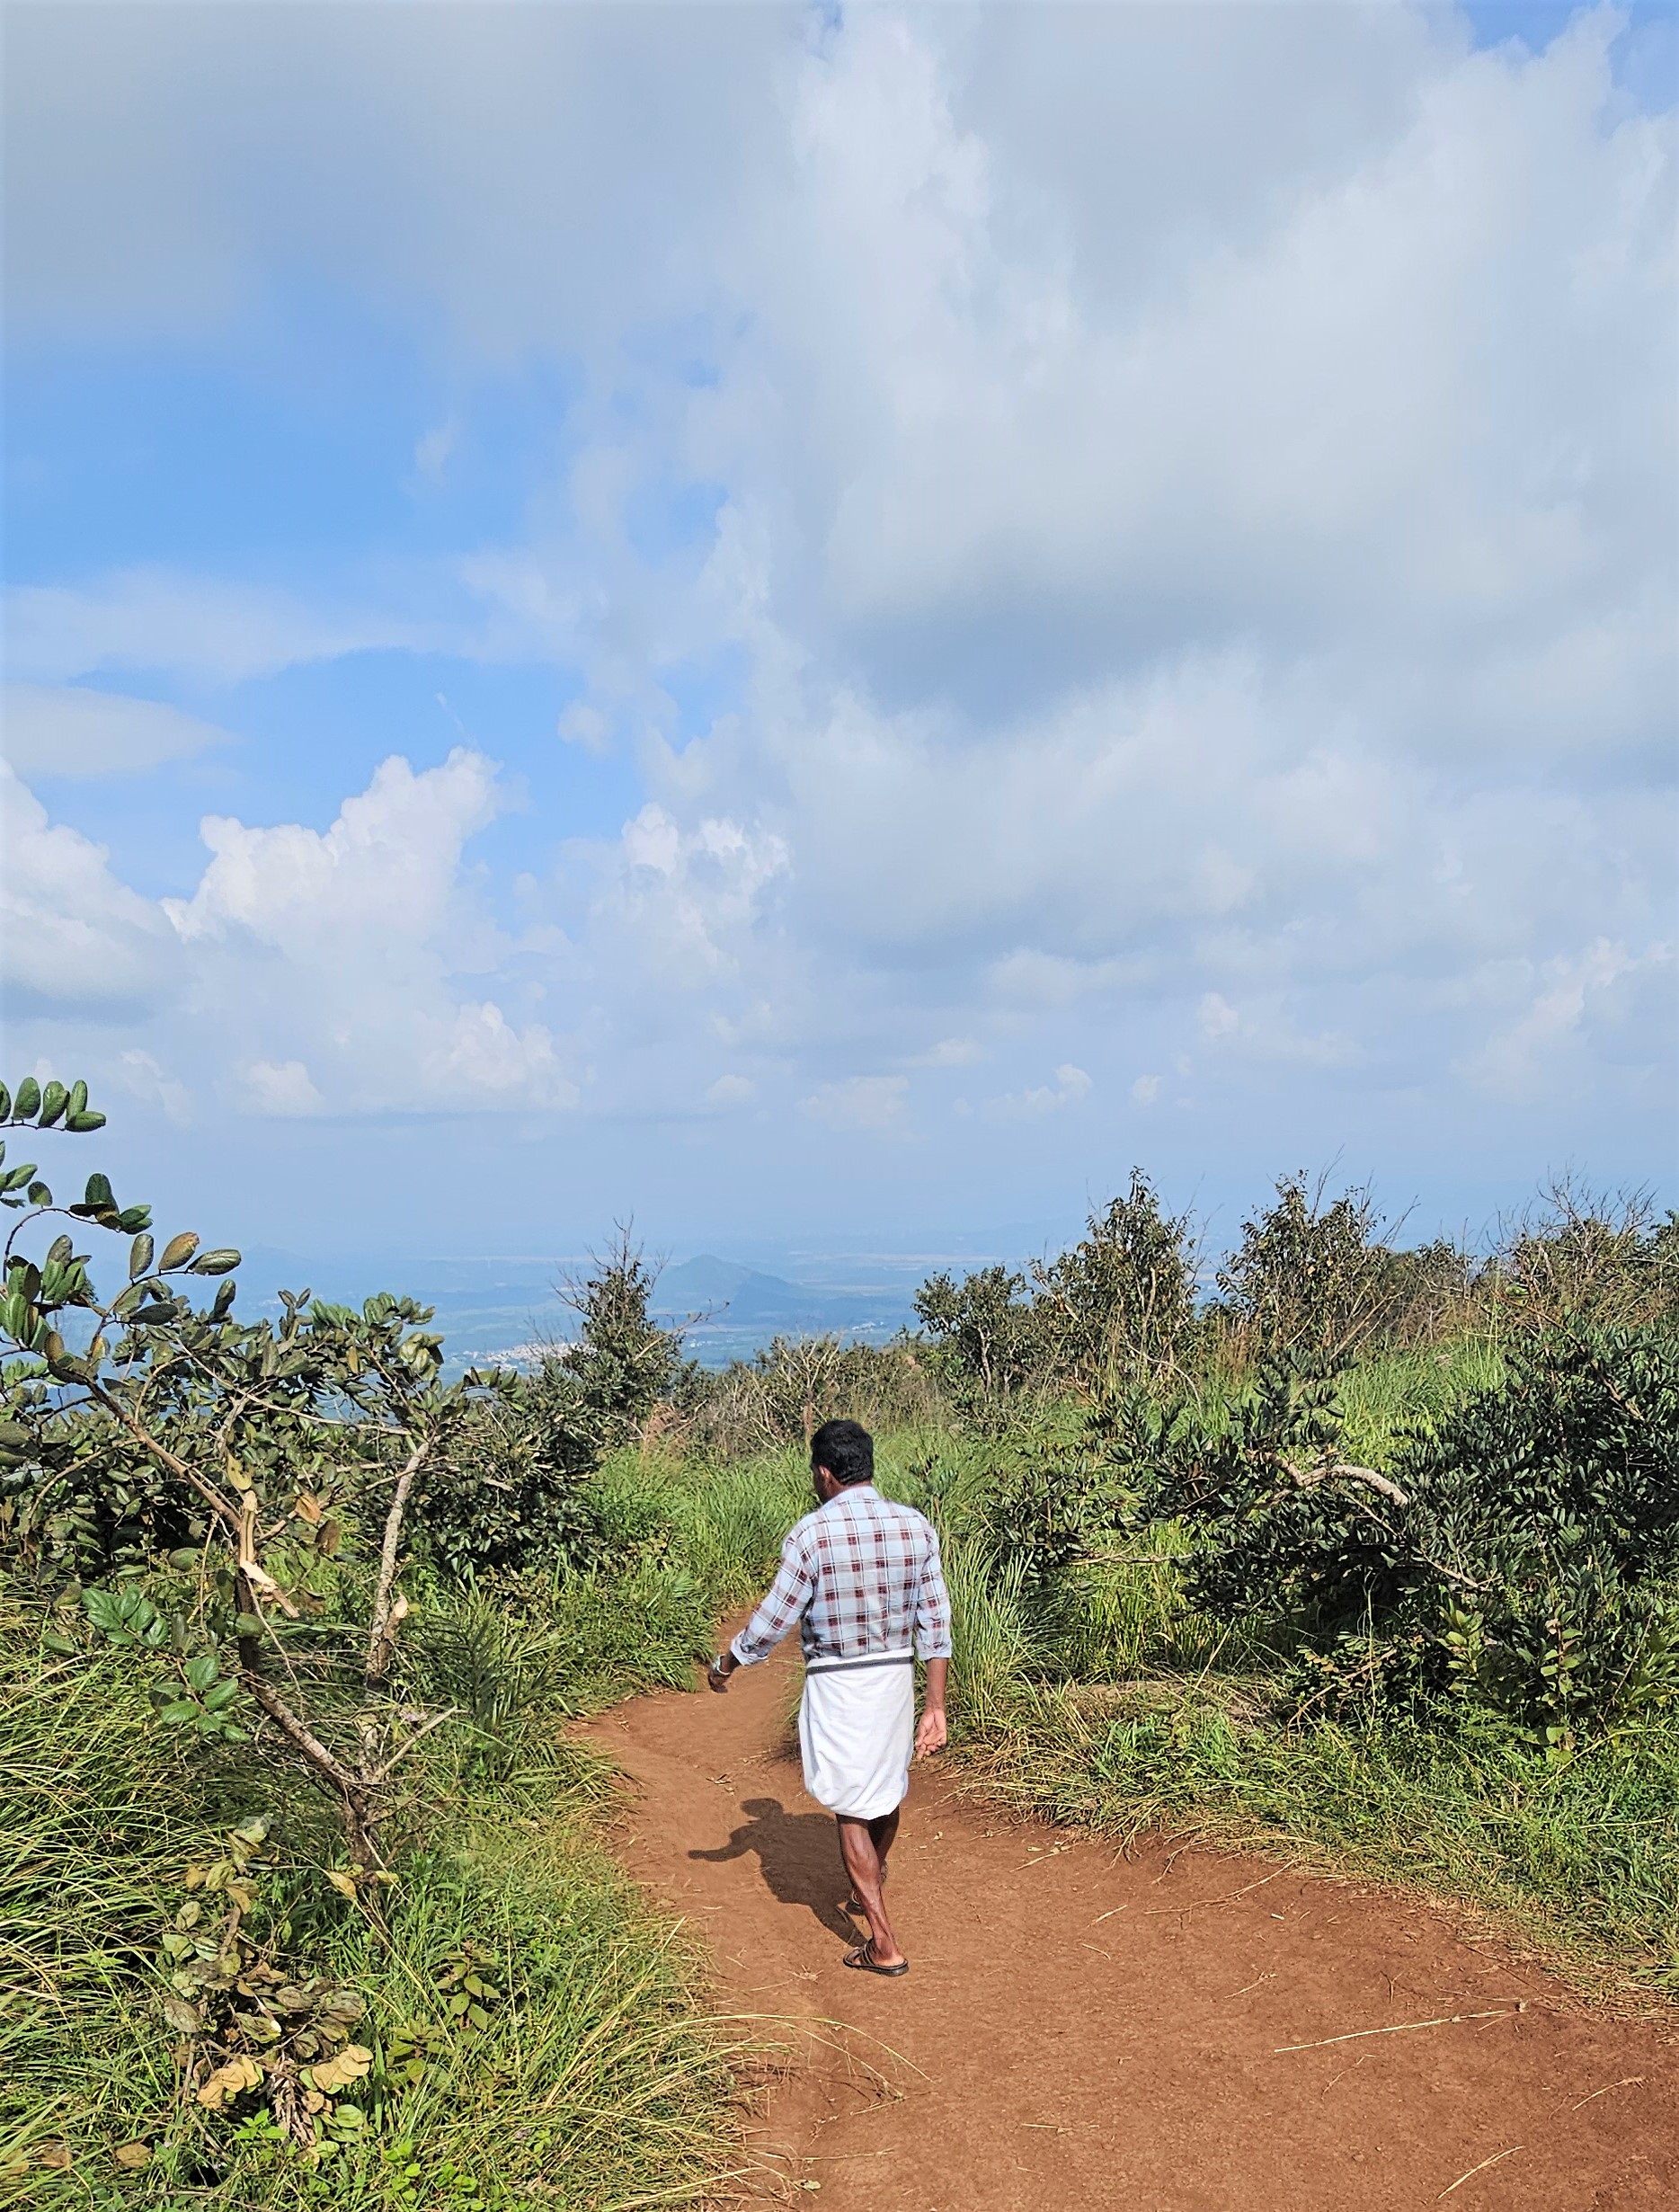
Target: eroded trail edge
[[1177, 2030]]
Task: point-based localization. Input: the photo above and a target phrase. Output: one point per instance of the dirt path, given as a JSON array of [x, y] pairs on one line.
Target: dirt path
[[1078, 2031]]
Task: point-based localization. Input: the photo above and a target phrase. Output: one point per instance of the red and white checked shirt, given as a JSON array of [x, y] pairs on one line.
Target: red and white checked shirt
[[861, 1576]]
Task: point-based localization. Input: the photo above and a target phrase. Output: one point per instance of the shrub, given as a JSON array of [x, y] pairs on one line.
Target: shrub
[[1584, 1257], [1119, 1305], [1521, 1558], [1310, 1277], [785, 1392]]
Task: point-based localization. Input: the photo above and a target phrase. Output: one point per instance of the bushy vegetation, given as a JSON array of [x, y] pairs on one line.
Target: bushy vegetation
[[300, 1900], [1373, 1549], [1372, 1553]]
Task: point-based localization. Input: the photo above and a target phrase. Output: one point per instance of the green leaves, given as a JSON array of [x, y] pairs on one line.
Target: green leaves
[[178, 1251], [126, 1616], [53, 1107]]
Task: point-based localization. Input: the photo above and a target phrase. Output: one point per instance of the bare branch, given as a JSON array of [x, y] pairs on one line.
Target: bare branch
[[1309, 1478], [385, 1617]]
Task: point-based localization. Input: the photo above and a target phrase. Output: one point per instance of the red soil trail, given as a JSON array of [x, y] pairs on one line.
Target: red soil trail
[[1082, 2030]]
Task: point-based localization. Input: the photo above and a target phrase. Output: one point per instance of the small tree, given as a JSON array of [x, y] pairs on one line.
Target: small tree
[[1579, 1256], [985, 1336], [624, 1363], [139, 1421], [1310, 1277], [1119, 1305], [1520, 1558]]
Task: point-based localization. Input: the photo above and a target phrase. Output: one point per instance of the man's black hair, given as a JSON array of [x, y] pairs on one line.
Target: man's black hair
[[846, 1449]]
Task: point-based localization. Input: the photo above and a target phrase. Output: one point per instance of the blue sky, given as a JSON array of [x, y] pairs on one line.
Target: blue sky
[[800, 622]]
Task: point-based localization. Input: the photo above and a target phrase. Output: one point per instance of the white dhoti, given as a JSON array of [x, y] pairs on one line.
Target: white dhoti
[[856, 1732]]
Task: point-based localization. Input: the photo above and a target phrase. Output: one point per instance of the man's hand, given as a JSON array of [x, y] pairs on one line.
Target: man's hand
[[929, 1734]]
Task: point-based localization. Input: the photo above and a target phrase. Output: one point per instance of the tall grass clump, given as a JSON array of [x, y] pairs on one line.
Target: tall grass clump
[[585, 2071]]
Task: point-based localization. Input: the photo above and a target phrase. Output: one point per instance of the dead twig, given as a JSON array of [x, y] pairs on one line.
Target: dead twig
[[1497, 2158], [1400, 2027], [1627, 2080]]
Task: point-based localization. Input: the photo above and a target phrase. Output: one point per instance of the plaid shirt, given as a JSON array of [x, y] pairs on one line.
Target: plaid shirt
[[860, 1575]]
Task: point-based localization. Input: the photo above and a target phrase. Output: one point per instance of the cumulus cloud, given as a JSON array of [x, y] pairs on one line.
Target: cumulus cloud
[[315, 970], [282, 1087], [687, 899], [351, 937], [1070, 1085], [1192, 546], [1572, 1006], [75, 936]]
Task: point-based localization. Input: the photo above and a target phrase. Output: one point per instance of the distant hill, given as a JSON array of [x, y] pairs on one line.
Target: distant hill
[[506, 1308], [708, 1288]]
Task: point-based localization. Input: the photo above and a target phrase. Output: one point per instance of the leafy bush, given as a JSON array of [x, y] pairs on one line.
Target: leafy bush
[[987, 1343], [784, 1393], [1522, 1558], [1315, 1277], [1119, 1305], [1583, 1258]]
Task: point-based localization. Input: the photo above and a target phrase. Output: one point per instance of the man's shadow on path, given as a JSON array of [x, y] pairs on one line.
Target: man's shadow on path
[[799, 1853]]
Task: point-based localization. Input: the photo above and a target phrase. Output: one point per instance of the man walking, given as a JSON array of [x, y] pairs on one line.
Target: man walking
[[862, 1578]]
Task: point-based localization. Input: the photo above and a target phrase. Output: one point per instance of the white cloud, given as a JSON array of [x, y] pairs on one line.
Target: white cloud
[[1146, 1089], [386, 867], [142, 1078], [586, 726], [74, 935], [315, 970], [684, 902], [432, 451], [481, 1056], [1196, 549], [202, 629], [346, 941], [1071, 1086], [873, 1104], [1567, 1008], [731, 1090], [280, 1087], [67, 731], [948, 1052]]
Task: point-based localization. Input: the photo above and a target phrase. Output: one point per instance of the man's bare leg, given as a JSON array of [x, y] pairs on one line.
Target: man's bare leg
[[883, 1833], [864, 1863]]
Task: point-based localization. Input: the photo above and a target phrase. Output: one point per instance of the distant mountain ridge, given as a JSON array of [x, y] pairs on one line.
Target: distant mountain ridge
[[707, 1289], [506, 1309]]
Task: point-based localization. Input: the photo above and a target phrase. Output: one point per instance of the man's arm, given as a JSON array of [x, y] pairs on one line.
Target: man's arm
[[931, 1730], [785, 1602], [932, 1641]]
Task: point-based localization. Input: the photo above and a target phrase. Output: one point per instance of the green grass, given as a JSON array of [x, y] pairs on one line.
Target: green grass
[[601, 2082], [1380, 1400]]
